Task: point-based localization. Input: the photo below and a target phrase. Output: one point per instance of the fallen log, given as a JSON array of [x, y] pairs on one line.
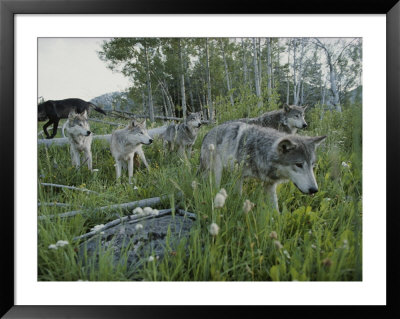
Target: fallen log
[[134, 218], [140, 203], [60, 141], [69, 187], [54, 204]]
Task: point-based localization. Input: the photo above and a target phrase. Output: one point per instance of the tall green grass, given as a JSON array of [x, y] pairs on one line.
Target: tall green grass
[[318, 237]]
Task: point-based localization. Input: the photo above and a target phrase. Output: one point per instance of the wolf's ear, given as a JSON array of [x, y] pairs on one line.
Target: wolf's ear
[[317, 140], [285, 146], [143, 123], [71, 114], [286, 108], [133, 123], [84, 114]]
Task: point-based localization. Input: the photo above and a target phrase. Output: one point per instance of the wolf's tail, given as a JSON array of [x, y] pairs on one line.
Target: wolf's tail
[[154, 132], [63, 128], [98, 109]]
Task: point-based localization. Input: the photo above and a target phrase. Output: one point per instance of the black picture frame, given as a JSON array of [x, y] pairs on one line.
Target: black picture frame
[[8, 9]]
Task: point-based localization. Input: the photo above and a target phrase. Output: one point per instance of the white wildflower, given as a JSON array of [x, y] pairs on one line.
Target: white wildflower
[[310, 232], [285, 252], [62, 243], [273, 235], [211, 147], [313, 246], [147, 210], [345, 244], [150, 259], [139, 226], [155, 212], [138, 211], [278, 244], [219, 200], [97, 227], [214, 229], [247, 206], [95, 170], [52, 246], [344, 164], [135, 187], [194, 185]]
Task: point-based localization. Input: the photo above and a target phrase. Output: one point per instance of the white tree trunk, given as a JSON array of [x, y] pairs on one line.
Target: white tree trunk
[[269, 67], [183, 95], [228, 82], [210, 106], [149, 93], [244, 63], [256, 74]]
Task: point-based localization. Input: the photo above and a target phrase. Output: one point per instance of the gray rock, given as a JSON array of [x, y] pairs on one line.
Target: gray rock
[[137, 243]]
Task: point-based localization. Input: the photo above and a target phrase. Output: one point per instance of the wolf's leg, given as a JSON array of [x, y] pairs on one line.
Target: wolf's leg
[[45, 128], [130, 169], [118, 166], [55, 126], [89, 159], [189, 151], [217, 171], [71, 151], [239, 185], [143, 158], [272, 197], [181, 151]]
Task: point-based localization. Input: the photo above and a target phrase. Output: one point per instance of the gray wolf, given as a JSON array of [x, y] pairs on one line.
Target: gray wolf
[[263, 153], [127, 142], [54, 110], [288, 119], [184, 134], [80, 138]]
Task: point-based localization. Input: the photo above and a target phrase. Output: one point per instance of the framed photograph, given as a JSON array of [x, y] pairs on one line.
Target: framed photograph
[[129, 130]]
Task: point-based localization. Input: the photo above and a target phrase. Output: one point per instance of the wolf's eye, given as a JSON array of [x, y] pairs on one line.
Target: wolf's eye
[[299, 165]]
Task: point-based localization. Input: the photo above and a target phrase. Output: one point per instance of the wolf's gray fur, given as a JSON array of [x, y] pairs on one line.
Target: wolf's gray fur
[[80, 138], [125, 143], [288, 119], [184, 134], [264, 153]]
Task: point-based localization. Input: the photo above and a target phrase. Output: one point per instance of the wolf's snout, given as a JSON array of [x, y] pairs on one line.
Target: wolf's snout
[[305, 125], [150, 141], [312, 190], [199, 125], [88, 133]]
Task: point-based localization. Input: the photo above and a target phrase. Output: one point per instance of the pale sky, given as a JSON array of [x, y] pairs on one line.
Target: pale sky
[[71, 68]]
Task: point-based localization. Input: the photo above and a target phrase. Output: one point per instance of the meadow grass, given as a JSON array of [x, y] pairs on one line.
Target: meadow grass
[[314, 238]]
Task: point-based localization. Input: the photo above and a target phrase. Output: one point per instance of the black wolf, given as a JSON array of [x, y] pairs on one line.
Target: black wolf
[[54, 110]]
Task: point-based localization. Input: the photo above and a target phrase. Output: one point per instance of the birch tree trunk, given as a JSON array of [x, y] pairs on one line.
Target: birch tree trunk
[[294, 72], [332, 75], [149, 93], [183, 96], [269, 68], [259, 62], [256, 74], [244, 63], [210, 106], [228, 82], [287, 75], [335, 93]]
